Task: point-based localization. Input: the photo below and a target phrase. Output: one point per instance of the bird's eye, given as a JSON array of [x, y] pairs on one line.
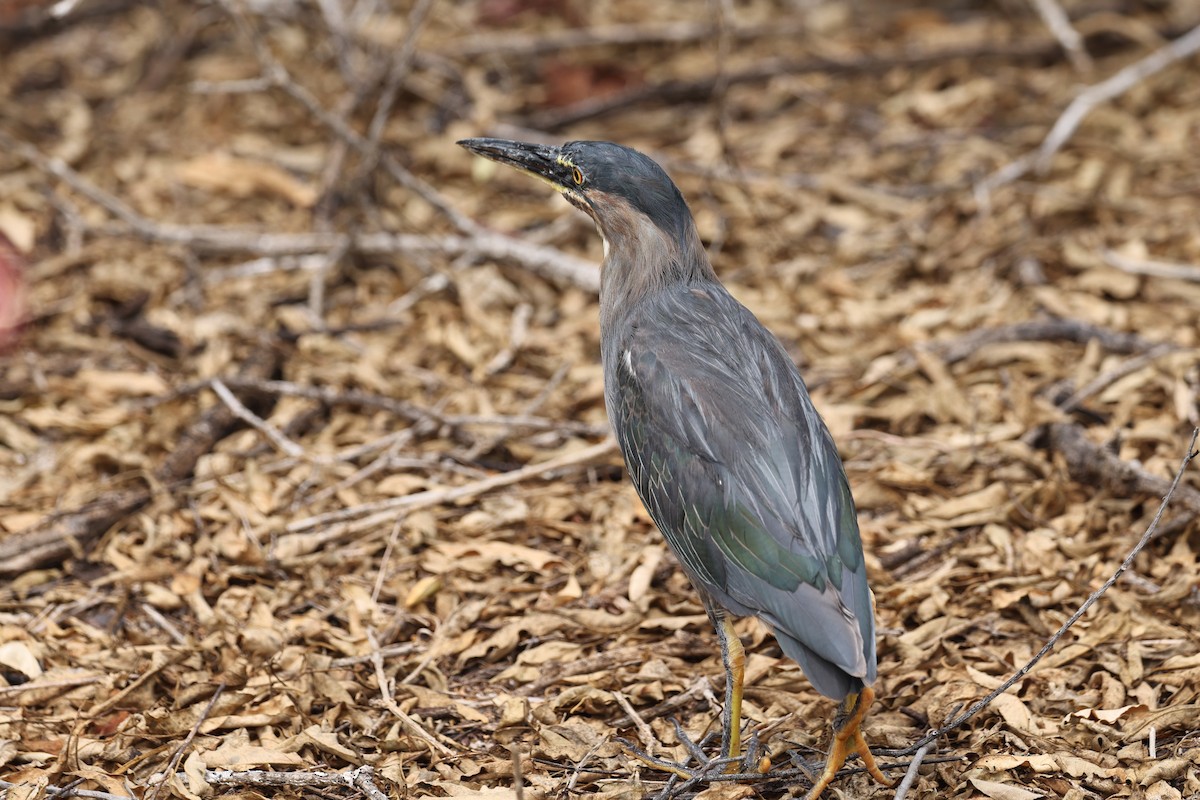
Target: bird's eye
[[578, 175]]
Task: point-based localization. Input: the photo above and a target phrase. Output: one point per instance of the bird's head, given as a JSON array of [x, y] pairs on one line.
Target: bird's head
[[619, 188]]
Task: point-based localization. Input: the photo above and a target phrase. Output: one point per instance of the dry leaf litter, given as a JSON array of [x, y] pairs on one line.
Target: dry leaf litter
[[352, 555]]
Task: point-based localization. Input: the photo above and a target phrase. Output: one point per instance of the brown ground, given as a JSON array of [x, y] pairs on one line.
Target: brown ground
[[184, 591]]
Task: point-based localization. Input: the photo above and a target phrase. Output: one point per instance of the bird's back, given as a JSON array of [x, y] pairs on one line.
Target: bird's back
[[740, 474]]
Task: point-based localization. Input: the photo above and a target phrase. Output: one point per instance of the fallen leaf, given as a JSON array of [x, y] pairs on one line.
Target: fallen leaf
[[1004, 791], [17, 655]]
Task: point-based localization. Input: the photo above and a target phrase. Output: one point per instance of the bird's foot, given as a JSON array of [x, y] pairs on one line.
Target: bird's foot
[[699, 767], [847, 739]]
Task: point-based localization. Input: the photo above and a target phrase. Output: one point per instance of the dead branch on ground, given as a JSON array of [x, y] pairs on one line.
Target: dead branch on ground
[[1157, 269], [952, 351], [480, 243], [362, 778], [63, 535], [1083, 104], [1059, 23], [1094, 465], [1025, 669], [336, 525]]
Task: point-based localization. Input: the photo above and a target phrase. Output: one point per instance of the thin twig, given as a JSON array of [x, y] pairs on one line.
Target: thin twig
[[477, 243], [433, 645], [187, 741], [159, 662], [402, 649], [1157, 269], [54, 791], [699, 688], [643, 729], [967, 715], [1109, 377], [320, 276], [63, 683], [518, 777], [577, 768], [516, 339], [164, 623], [279, 76], [58, 168], [484, 244], [395, 78], [389, 702], [253, 420], [701, 89], [1106, 90], [376, 465], [952, 351], [246, 86], [486, 445], [339, 36], [298, 542], [1059, 23], [1083, 104], [386, 561], [1042, 330], [439, 496], [910, 776], [542, 42], [402, 409]]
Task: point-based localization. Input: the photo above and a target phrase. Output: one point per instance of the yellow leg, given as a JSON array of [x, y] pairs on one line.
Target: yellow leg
[[734, 656], [847, 739]]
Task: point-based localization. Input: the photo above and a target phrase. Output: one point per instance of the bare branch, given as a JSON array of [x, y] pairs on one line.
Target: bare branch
[[1059, 23], [1109, 377], [395, 77], [480, 243], [958, 349], [389, 702], [279, 76], [432, 497], [1083, 104], [187, 740], [703, 88], [70, 791], [910, 776], [1092, 464], [1106, 90], [253, 420], [1157, 269], [967, 715]]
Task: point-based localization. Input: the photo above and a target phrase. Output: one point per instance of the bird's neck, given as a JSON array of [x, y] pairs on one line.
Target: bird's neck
[[644, 260]]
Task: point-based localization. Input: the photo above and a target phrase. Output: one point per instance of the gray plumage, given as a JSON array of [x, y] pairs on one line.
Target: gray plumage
[[740, 474], [718, 432]]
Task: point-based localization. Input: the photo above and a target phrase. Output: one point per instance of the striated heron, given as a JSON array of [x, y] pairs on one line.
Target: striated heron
[[720, 437]]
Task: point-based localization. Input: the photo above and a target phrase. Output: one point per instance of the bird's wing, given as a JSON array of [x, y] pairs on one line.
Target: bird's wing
[[740, 473]]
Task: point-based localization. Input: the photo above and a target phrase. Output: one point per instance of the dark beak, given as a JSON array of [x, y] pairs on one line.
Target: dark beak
[[538, 160]]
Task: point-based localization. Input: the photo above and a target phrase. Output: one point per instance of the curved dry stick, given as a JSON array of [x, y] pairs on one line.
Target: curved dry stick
[[1083, 104], [1092, 598], [910, 776], [1106, 90]]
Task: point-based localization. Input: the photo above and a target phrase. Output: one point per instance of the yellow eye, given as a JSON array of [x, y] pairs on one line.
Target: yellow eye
[[578, 175]]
